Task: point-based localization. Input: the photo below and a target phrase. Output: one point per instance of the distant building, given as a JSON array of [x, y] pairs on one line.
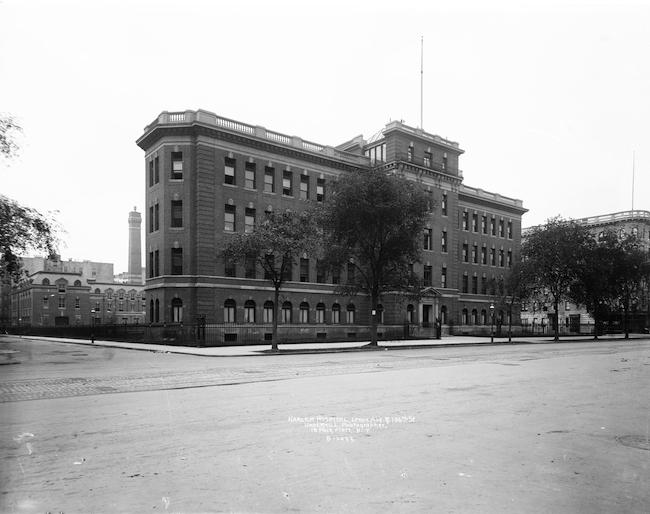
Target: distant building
[[539, 316], [208, 176], [58, 292]]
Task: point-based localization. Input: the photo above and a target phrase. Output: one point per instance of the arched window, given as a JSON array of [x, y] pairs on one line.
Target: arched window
[[46, 281], [97, 291], [336, 313], [157, 312], [304, 312], [443, 314], [484, 318], [229, 311], [474, 317], [286, 312], [350, 313], [463, 320], [77, 283], [151, 311], [410, 313], [320, 313], [249, 311], [177, 310], [380, 313], [268, 312]]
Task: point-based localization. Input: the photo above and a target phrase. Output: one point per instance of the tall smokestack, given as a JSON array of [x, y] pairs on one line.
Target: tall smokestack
[[135, 248]]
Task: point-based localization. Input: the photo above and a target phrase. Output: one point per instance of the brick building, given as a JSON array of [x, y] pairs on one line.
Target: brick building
[[208, 176]]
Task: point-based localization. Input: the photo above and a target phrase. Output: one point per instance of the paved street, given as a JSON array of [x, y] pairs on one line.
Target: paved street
[[521, 428]]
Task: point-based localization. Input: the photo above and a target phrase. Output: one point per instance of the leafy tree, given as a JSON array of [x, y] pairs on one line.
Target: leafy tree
[[596, 284], [510, 290], [23, 229], [374, 221], [556, 251], [274, 244], [9, 128], [631, 269]]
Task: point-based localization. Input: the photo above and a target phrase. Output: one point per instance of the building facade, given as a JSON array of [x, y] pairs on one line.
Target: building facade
[[539, 316], [208, 176]]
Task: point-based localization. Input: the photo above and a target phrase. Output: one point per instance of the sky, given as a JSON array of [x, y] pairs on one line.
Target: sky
[[550, 101]]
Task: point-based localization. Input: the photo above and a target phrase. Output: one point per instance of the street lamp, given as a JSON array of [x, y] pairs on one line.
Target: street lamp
[[492, 323]]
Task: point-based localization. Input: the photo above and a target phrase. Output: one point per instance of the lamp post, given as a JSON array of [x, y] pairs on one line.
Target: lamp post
[[492, 323]]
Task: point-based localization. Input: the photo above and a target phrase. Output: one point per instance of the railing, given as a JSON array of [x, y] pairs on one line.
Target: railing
[[617, 216]]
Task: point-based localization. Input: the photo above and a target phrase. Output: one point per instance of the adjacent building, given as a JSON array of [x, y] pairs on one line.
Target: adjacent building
[[207, 176]]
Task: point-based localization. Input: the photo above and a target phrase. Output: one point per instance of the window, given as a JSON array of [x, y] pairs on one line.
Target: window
[[350, 313], [443, 277], [443, 314], [427, 159], [501, 258], [156, 170], [46, 302], [336, 313], [410, 313], [465, 220], [230, 268], [304, 187], [97, 306], [77, 303], [474, 254], [444, 241], [483, 255], [350, 272], [249, 311], [156, 312], [151, 173], [380, 313], [501, 229], [287, 273], [177, 165], [268, 312], [444, 205], [304, 270], [269, 180], [320, 190], [229, 221], [229, 171], [483, 285], [474, 284], [428, 272], [251, 268], [156, 217], [151, 218], [336, 275], [444, 162], [465, 252], [474, 317], [121, 306], [464, 316], [177, 213], [509, 259], [249, 220], [428, 236], [484, 224], [229, 311], [287, 186], [156, 263], [409, 154], [61, 287], [474, 222], [493, 227], [177, 261], [249, 179], [510, 230], [483, 317], [493, 257], [321, 273], [61, 302], [286, 312], [320, 313], [177, 310], [465, 284]]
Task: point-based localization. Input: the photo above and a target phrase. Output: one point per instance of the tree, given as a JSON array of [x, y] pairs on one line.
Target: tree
[[556, 252], [595, 287], [511, 289], [273, 244], [23, 229], [373, 221], [631, 269], [9, 128]]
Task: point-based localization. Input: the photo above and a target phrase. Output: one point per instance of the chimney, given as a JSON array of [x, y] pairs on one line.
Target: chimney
[[135, 248]]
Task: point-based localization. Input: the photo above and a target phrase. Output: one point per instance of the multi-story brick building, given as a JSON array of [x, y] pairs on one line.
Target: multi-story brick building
[[208, 176], [539, 316]]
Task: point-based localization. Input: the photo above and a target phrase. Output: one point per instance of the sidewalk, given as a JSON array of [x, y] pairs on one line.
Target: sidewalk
[[324, 347]]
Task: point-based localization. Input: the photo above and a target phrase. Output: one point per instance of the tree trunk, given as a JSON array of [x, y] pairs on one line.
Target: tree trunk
[[556, 320], [373, 326], [276, 313]]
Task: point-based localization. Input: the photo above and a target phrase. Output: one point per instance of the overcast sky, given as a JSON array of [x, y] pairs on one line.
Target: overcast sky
[[550, 103]]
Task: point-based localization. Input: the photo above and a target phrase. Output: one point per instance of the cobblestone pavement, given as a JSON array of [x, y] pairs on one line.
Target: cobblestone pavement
[[47, 388]]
